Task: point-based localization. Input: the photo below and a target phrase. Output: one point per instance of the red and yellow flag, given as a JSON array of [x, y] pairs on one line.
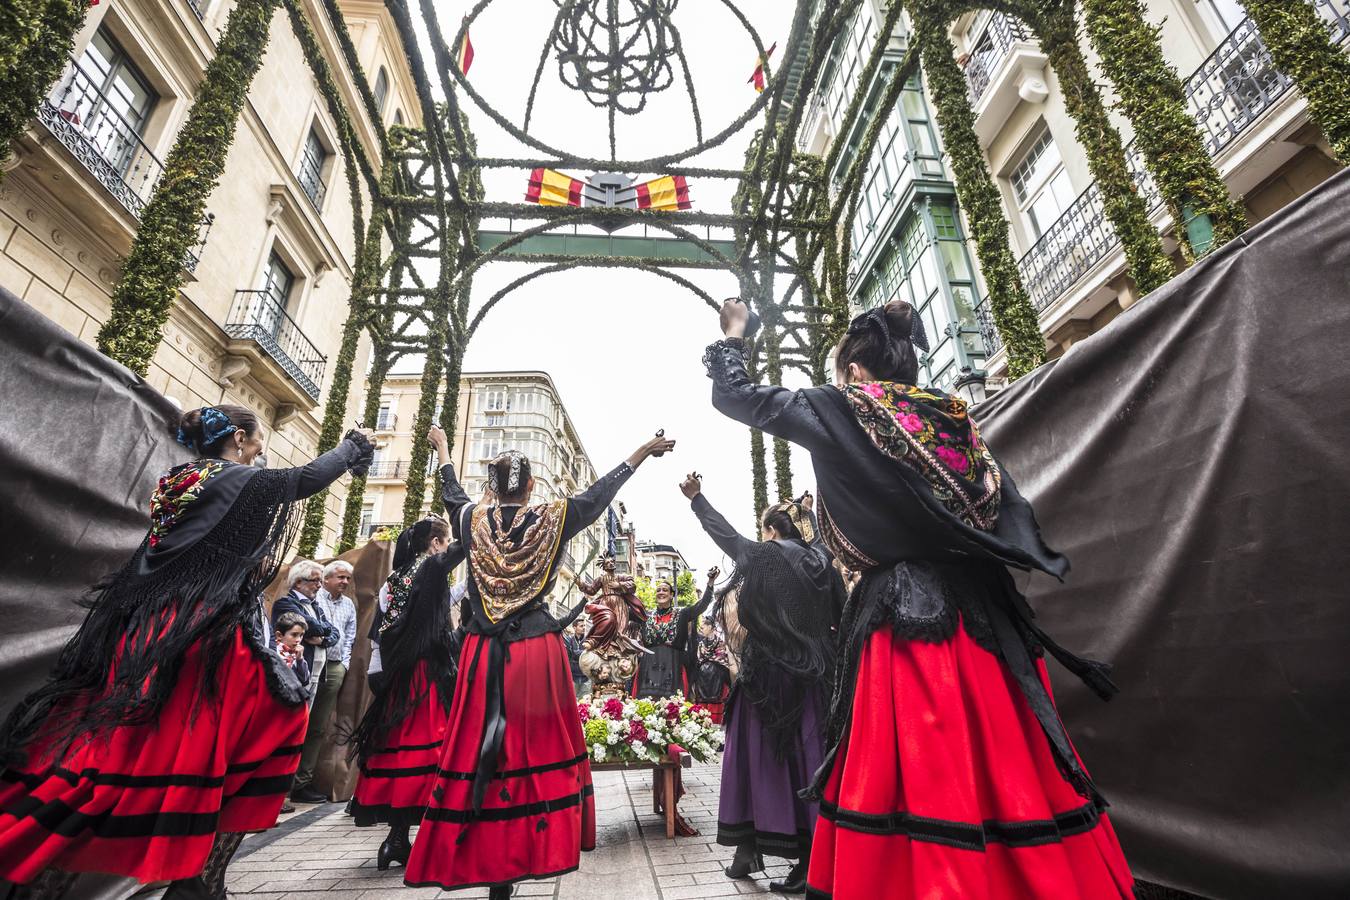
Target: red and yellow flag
[[667, 193], [550, 188], [757, 79], [465, 56]]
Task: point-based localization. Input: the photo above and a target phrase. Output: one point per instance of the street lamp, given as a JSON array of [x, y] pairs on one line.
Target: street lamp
[[970, 385]]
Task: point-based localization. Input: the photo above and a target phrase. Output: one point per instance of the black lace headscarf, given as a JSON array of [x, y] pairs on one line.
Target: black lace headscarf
[[788, 616]]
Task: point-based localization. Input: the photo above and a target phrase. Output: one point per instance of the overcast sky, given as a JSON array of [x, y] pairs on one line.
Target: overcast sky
[[625, 347]]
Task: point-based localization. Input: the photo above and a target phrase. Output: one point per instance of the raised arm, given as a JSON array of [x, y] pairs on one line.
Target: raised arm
[[352, 454], [781, 412], [691, 613], [590, 504], [452, 492], [727, 539]]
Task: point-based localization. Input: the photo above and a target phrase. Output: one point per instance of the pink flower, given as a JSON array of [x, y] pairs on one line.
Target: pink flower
[[873, 390], [637, 731], [584, 710], [910, 422], [672, 711], [614, 708], [954, 458]]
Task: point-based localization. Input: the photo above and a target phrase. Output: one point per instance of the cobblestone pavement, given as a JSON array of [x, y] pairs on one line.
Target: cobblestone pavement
[[318, 854]]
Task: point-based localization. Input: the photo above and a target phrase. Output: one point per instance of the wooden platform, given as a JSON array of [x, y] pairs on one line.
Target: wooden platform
[[663, 776]]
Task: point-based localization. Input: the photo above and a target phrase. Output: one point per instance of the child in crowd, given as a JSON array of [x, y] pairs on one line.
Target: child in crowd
[[290, 632]]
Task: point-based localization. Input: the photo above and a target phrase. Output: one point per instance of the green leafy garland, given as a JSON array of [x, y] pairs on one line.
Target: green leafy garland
[[153, 271], [1154, 99], [1148, 264], [36, 38], [1300, 45], [1014, 316]]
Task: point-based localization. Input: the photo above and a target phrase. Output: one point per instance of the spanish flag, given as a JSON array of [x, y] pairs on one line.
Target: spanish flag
[[465, 56], [757, 79], [667, 193], [550, 188]]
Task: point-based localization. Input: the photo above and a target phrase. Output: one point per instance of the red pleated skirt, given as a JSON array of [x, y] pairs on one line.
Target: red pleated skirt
[[946, 786], [539, 812], [395, 783], [146, 801]]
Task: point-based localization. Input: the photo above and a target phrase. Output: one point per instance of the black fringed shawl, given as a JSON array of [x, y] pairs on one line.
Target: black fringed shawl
[[216, 534], [421, 633], [788, 595], [786, 592]]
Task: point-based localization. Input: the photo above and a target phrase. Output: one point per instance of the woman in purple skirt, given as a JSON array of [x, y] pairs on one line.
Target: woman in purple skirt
[[780, 611]]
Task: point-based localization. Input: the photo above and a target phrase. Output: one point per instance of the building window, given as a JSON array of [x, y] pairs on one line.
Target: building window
[[109, 100], [381, 90], [384, 419], [398, 117], [311, 168], [367, 518], [1229, 13], [1041, 186]]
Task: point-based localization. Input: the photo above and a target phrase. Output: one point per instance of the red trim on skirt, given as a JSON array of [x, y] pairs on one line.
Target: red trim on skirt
[[146, 801], [395, 783], [539, 812], [973, 805]]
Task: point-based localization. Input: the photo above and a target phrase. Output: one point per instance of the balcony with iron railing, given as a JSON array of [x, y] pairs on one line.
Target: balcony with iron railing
[[999, 37], [388, 470], [87, 124], [370, 529], [257, 320], [386, 421], [1227, 94]]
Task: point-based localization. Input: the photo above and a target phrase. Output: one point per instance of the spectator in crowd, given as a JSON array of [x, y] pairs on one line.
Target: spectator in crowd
[[303, 582], [290, 632], [572, 639], [333, 601]]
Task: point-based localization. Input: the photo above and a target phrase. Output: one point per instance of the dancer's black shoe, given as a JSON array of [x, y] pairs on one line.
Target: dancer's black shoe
[[745, 862], [795, 882], [500, 892], [395, 849]]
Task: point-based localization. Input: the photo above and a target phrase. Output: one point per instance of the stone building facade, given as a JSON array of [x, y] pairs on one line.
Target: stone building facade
[[259, 317]]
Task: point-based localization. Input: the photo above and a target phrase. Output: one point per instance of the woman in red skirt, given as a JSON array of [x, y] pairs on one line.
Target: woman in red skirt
[[512, 798], [399, 739], [948, 772], [169, 722]]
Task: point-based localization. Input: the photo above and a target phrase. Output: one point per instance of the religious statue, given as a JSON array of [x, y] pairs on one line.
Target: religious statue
[[610, 649]]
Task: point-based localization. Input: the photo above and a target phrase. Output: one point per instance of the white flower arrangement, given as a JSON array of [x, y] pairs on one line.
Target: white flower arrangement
[[643, 730]]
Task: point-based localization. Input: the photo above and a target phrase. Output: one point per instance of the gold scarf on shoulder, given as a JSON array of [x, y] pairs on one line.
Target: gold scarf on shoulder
[[509, 574]]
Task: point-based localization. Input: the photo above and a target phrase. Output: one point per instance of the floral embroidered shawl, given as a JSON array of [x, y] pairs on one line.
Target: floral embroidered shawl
[[932, 434]]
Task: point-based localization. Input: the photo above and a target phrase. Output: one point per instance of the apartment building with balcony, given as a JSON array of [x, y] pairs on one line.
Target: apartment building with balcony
[[498, 411], [1253, 120], [660, 562], [260, 313]]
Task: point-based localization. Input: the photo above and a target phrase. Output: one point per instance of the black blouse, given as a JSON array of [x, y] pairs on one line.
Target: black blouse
[[886, 510]]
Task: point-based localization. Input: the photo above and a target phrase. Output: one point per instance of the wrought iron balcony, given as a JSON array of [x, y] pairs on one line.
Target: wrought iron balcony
[[84, 120], [989, 51], [388, 469], [198, 7], [386, 421], [1227, 94], [370, 529], [993, 341], [257, 316], [194, 253]]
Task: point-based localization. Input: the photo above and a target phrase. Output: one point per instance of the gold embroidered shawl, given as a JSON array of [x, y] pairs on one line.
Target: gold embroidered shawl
[[510, 574]]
